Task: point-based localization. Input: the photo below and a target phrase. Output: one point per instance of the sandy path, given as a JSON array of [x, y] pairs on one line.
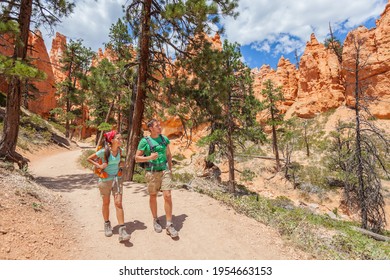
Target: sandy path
[[207, 228]]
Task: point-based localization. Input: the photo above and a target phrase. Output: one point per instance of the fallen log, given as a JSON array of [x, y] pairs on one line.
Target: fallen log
[[262, 157], [376, 236]]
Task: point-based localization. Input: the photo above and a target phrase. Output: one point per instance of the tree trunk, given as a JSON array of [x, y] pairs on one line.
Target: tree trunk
[[307, 141], [139, 105], [209, 163], [14, 97], [361, 191], [230, 150], [67, 122], [230, 147], [275, 141], [100, 139], [119, 119], [130, 124]]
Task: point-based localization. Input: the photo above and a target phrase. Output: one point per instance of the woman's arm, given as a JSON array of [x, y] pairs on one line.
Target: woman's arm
[[92, 159]]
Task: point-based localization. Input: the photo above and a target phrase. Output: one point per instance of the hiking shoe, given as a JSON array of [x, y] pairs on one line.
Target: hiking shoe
[[123, 235], [157, 226], [107, 229], [172, 231]]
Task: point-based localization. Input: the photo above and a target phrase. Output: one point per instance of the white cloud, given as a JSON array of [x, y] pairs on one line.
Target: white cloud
[[284, 25], [90, 21], [268, 26]]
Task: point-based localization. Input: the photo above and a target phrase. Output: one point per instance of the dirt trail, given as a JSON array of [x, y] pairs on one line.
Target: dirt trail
[[207, 228]]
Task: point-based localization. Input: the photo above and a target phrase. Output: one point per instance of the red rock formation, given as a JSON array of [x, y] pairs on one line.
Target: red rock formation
[[374, 53], [57, 49], [319, 81], [6, 48], [45, 100], [316, 87]]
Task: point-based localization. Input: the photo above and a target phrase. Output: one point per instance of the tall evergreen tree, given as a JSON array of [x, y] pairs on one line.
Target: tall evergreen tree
[[220, 93], [102, 97], [120, 44], [272, 96], [24, 12], [75, 63], [161, 25]]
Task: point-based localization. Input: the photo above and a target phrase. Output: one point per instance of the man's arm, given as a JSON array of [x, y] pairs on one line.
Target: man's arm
[[139, 156]]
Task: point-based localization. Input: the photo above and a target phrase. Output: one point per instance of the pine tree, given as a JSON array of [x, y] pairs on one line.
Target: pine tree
[[157, 25], [220, 93], [75, 63], [120, 45], [24, 12], [102, 97], [272, 96]]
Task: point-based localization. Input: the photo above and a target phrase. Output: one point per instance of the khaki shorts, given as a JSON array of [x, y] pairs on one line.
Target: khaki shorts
[[107, 187], [158, 181]]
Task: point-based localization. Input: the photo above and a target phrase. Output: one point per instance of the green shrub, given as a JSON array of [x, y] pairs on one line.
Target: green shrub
[[179, 157], [83, 158], [139, 175], [58, 126], [247, 175], [182, 177]]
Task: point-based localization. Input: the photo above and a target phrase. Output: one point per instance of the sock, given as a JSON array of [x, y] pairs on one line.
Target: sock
[[169, 223], [107, 221]]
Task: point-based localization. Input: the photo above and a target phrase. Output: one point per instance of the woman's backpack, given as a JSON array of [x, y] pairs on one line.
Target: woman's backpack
[[100, 172]]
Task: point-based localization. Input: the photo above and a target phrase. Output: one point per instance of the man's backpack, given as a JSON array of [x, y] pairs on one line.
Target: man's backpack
[[148, 164]]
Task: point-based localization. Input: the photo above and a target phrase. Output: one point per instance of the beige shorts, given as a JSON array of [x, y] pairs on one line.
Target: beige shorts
[[108, 187], [158, 181]]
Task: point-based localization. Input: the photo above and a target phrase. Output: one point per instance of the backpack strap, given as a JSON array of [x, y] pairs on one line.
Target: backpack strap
[[150, 144], [163, 140]]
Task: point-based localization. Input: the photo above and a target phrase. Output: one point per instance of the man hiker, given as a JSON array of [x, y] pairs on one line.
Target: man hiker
[[155, 153]]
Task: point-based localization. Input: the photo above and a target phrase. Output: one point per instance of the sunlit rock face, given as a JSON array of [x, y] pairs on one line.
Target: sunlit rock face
[[41, 99], [374, 59], [45, 100]]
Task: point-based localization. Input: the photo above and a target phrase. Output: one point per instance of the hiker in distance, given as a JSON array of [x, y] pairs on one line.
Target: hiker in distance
[[155, 152], [110, 181]]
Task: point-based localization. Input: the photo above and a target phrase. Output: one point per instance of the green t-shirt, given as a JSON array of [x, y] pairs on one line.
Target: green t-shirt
[[160, 163]]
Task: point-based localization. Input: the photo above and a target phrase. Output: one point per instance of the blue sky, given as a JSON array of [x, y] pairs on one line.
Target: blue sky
[[265, 29], [255, 58]]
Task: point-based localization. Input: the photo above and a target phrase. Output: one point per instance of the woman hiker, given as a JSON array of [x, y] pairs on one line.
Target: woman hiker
[[110, 181]]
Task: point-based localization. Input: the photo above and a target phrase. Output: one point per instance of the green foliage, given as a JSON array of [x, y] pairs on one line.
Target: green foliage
[[247, 175], [75, 61], [220, 93], [84, 156], [37, 206], [272, 96], [178, 157], [182, 177], [104, 126], [139, 175]]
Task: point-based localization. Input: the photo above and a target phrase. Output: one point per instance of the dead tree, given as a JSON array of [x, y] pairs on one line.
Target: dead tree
[[369, 150]]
